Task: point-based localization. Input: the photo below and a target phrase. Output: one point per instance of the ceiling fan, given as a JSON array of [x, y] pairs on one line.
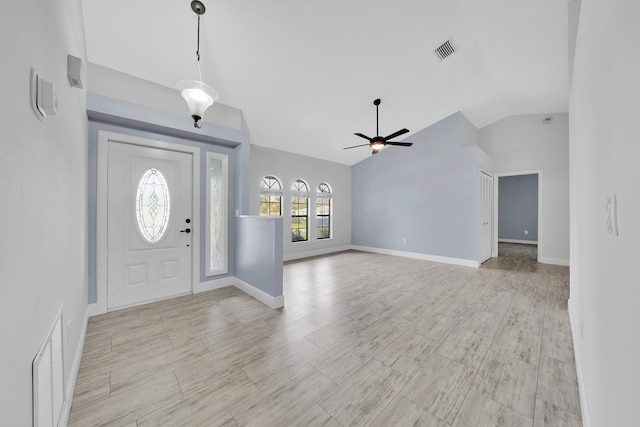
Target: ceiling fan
[[378, 142]]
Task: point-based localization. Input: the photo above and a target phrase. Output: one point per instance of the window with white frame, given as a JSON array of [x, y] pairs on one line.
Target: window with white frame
[[323, 211], [217, 208], [270, 196], [299, 211]]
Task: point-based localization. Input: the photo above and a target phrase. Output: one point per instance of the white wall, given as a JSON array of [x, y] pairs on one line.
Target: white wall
[[523, 143], [605, 285], [288, 167], [43, 188]]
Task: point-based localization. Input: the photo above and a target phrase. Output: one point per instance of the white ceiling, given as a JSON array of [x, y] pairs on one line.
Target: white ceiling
[[305, 72]]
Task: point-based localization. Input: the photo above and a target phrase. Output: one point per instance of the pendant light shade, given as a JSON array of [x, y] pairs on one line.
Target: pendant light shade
[[199, 97]]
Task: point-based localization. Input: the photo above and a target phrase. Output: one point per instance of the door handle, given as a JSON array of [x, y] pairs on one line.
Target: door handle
[[186, 230]]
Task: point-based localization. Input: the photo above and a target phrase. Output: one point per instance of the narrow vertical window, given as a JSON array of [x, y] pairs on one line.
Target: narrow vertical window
[[299, 211], [323, 211], [270, 196], [217, 207]]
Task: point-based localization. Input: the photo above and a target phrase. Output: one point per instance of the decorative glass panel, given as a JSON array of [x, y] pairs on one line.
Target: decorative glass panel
[[300, 186], [153, 205], [270, 183], [217, 224]]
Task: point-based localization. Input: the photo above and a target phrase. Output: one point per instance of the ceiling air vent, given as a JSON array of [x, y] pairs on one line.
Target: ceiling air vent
[[445, 50]]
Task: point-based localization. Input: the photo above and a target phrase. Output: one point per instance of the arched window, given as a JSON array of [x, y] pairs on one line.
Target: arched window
[[270, 196], [299, 211], [323, 211]]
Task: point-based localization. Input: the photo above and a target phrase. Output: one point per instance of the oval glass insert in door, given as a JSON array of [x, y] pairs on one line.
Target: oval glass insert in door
[[153, 205]]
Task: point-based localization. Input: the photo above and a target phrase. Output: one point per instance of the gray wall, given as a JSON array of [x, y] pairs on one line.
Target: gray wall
[[259, 253], [145, 128], [605, 289], [115, 84], [43, 188], [523, 143], [518, 207], [426, 194], [288, 167]]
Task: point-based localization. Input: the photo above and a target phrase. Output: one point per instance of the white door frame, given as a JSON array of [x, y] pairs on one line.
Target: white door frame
[[104, 137], [496, 195]]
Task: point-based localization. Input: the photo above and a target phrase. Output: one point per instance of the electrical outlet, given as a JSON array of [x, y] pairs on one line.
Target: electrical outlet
[[404, 240], [526, 231]]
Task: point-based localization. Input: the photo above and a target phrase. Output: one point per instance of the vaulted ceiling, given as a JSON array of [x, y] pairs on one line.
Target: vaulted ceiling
[[305, 72]]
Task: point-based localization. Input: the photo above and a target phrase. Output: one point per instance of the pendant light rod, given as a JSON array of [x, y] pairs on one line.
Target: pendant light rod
[[198, 7], [376, 102], [198, 48], [199, 96]]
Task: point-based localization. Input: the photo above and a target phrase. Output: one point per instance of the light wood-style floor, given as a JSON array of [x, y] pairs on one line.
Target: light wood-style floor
[[364, 339]]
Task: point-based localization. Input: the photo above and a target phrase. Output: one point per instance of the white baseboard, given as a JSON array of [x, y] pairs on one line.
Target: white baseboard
[[415, 255], [73, 375], [524, 242], [554, 261], [214, 284], [577, 346], [317, 252], [263, 297], [95, 309]]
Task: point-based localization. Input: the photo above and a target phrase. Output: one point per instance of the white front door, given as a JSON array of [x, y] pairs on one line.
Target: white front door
[[149, 227]]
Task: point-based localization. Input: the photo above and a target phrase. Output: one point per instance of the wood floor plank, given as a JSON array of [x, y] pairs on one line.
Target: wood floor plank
[[407, 353], [316, 417], [480, 411], [205, 404], [549, 415], [508, 381], [274, 366], [154, 365], [465, 347], [558, 384], [364, 395], [516, 343], [557, 345], [440, 386], [346, 358], [124, 408], [401, 412], [284, 401]]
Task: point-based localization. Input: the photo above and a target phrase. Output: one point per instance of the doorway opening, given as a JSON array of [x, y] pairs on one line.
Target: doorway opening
[[517, 208]]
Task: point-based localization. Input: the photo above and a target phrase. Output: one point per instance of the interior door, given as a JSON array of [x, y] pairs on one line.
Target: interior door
[[486, 215], [149, 228]]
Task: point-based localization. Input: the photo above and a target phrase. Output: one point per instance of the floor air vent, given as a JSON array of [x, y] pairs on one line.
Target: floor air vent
[[445, 50], [48, 378]]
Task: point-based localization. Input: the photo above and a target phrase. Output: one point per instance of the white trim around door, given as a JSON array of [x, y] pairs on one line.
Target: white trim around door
[[496, 196], [101, 212]]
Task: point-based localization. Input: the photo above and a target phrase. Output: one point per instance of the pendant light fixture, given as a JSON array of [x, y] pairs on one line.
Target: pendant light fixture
[[199, 96]]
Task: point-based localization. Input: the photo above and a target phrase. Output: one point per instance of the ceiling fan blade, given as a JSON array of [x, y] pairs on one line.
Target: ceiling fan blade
[[398, 133], [355, 146], [402, 144], [363, 136]]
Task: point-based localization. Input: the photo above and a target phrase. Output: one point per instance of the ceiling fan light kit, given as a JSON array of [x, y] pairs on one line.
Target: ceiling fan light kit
[[378, 142], [199, 96]]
